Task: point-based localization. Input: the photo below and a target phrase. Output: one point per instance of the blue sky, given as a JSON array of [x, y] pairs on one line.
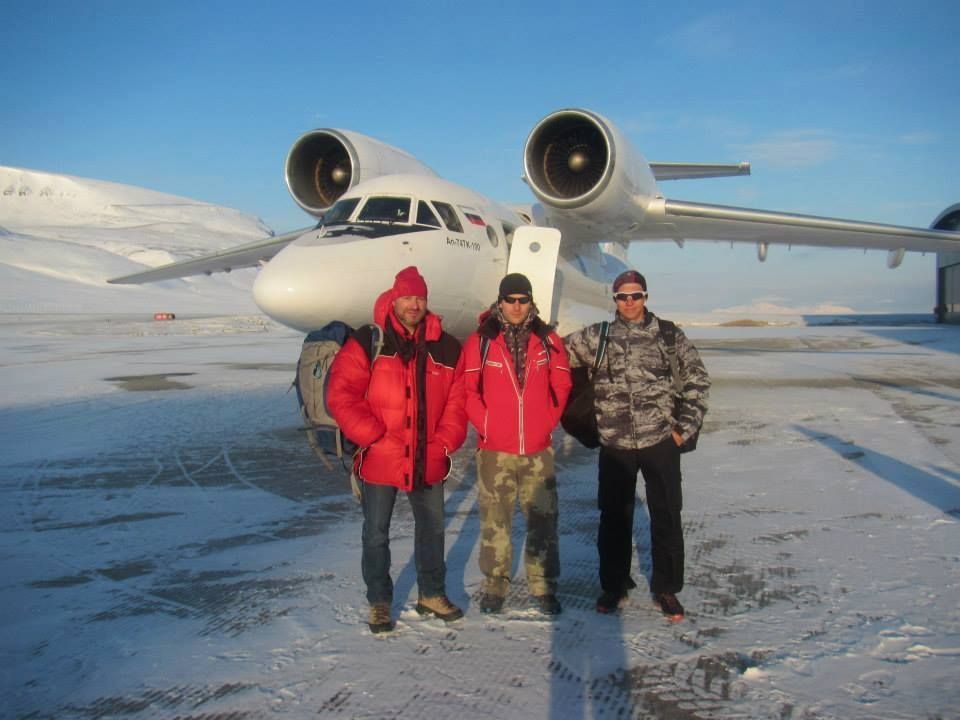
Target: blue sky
[[845, 109]]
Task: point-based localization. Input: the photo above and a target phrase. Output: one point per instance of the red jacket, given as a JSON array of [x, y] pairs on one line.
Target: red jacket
[[506, 419], [379, 410]]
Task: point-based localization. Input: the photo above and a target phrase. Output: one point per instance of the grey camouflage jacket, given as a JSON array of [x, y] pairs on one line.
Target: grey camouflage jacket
[[634, 386]]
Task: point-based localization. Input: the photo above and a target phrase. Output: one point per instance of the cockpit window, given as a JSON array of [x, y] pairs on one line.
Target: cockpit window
[[340, 212], [449, 216], [425, 215], [386, 209]]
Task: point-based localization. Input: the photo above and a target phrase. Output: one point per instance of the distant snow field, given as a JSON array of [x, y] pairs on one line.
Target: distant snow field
[[62, 237]]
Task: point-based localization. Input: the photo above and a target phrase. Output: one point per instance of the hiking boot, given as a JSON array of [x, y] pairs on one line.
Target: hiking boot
[[549, 605], [670, 606], [379, 619], [440, 606], [609, 602], [491, 603]]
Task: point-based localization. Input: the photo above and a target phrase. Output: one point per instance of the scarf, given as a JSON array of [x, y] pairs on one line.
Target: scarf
[[516, 337]]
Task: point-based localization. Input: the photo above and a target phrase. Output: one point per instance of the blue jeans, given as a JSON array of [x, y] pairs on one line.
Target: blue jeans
[[427, 506]]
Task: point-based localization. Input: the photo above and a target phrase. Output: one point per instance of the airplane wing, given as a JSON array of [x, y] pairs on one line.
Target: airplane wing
[[594, 186], [679, 220], [249, 255]]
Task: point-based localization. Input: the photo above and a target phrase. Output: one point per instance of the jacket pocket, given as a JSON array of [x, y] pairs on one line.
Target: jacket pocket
[[439, 463]]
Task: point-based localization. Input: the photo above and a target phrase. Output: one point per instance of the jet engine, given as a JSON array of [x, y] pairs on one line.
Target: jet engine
[[323, 164], [580, 165], [949, 219]]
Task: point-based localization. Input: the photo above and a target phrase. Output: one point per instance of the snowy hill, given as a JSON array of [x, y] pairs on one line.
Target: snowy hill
[[62, 237]]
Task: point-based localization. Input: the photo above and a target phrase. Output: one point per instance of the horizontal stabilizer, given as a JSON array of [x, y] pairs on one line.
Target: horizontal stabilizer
[[696, 171]]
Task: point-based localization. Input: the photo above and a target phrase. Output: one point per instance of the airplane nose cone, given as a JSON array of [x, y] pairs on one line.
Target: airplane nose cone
[[280, 294], [310, 283]]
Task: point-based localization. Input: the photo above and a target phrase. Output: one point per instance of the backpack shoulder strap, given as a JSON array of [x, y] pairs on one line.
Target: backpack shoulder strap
[[376, 342], [370, 338], [484, 349], [542, 330], [601, 344], [668, 331], [547, 345]]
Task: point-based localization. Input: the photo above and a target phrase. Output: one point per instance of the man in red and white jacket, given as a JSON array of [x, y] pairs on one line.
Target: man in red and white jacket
[[405, 411], [517, 382]]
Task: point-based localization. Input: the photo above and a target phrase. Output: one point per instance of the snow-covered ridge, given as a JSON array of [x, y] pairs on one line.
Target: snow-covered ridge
[[62, 237], [34, 198]]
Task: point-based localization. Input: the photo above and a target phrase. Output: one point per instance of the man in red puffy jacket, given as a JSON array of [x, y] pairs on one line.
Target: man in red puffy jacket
[[405, 411], [517, 380]]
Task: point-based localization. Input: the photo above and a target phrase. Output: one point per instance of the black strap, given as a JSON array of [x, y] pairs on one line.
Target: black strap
[[376, 342], [546, 349], [601, 346], [370, 338], [484, 349], [669, 333]]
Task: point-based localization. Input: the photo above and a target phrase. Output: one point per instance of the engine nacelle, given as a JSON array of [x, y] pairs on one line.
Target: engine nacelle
[[580, 165], [323, 164], [949, 219]]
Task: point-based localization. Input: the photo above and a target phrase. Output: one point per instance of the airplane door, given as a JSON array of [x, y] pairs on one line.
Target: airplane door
[[534, 253]]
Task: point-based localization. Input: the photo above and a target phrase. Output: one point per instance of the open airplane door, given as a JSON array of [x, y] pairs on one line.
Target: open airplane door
[[534, 253]]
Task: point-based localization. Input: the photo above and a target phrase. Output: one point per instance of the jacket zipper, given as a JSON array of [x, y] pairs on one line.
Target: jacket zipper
[[516, 389]]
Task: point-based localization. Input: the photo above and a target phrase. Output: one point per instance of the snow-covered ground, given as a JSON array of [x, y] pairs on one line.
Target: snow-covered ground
[[170, 547]]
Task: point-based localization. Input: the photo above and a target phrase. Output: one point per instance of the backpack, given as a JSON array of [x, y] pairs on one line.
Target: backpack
[[319, 349], [668, 331], [579, 417]]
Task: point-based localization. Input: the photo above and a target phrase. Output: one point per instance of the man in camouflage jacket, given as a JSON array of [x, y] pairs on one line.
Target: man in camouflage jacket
[[639, 432]]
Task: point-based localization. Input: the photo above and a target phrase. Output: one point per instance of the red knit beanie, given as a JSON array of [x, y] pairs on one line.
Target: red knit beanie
[[408, 282]]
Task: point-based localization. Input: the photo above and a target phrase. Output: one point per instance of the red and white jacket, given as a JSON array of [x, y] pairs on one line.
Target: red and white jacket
[[379, 407], [506, 418]]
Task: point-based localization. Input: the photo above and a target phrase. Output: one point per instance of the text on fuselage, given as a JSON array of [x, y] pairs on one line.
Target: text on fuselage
[[465, 244]]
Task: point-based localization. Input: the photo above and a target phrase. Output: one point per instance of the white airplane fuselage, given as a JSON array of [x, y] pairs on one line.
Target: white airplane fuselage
[[337, 270]]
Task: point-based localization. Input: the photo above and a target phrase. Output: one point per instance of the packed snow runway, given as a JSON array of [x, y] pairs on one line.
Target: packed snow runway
[[171, 547]]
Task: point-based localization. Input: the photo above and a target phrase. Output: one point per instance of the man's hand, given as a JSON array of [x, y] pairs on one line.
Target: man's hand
[[677, 438]]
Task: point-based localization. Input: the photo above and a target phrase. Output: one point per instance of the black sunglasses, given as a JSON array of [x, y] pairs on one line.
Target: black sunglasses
[[523, 300], [622, 297]]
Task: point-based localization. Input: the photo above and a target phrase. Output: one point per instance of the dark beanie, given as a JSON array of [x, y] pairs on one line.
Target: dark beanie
[[629, 276], [515, 284]]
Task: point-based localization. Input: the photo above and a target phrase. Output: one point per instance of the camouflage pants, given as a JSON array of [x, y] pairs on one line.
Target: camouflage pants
[[502, 478]]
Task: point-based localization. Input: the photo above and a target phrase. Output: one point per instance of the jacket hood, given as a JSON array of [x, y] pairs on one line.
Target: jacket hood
[[383, 314]]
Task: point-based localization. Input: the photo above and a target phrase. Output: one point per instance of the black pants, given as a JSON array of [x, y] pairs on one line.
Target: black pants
[[616, 498]]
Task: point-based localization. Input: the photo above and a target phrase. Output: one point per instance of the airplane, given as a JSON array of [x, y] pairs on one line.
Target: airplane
[[380, 209]]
